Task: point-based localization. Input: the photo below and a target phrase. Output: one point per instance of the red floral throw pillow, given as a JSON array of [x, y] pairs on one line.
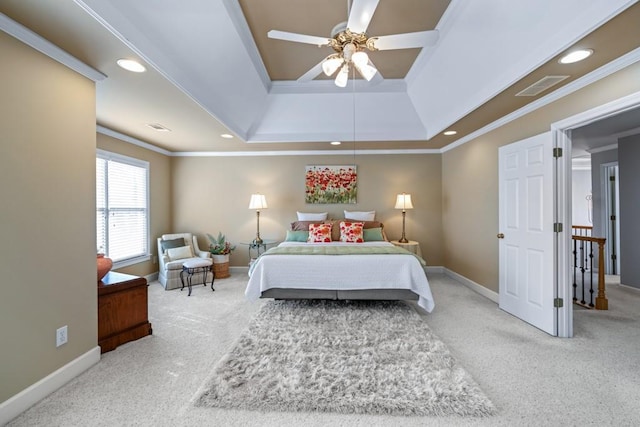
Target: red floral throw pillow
[[319, 233], [351, 232]]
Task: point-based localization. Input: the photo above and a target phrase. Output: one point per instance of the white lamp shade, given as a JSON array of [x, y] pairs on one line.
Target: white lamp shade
[[403, 201], [330, 65], [360, 58], [367, 71], [343, 76], [258, 201]]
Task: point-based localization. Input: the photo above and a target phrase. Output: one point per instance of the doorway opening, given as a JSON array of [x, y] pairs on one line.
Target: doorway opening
[[569, 134]]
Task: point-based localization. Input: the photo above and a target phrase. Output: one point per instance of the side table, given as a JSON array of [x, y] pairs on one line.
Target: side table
[[411, 246], [257, 248], [122, 310]]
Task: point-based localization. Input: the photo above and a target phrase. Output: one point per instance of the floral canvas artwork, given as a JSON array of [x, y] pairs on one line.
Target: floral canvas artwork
[[330, 184]]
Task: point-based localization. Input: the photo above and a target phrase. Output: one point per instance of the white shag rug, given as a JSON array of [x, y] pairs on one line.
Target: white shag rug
[[372, 357]]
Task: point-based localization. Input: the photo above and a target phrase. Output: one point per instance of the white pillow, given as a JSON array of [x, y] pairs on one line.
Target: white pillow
[[179, 253], [360, 216], [306, 216]]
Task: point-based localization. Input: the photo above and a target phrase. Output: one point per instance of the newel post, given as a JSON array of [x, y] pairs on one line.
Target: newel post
[[601, 300]]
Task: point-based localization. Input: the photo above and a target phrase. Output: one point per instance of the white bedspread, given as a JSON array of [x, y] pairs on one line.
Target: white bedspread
[[345, 272]]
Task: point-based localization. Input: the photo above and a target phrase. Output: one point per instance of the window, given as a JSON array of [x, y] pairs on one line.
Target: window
[[122, 208]]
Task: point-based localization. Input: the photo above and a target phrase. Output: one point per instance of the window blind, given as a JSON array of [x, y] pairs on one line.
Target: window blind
[[122, 207]]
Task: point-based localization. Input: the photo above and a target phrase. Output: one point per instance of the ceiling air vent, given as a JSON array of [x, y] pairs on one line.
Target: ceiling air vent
[[158, 127], [541, 85]]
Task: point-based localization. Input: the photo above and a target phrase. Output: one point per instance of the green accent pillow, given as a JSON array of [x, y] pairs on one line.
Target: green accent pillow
[[373, 234], [170, 244], [297, 236]]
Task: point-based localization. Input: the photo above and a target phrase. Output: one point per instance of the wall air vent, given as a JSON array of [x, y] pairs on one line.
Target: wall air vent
[[541, 85]]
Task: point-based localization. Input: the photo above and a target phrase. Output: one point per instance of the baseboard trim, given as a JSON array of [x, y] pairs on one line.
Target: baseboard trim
[[633, 288], [436, 269], [487, 293], [239, 270], [17, 404], [152, 277]]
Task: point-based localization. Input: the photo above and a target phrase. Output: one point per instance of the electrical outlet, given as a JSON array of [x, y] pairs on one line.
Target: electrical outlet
[[61, 336]]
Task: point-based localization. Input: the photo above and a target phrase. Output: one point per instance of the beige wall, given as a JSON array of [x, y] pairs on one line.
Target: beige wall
[[212, 194], [470, 178], [159, 195], [47, 219]]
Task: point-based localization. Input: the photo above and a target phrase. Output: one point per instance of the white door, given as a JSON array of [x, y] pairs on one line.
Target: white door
[[526, 235]]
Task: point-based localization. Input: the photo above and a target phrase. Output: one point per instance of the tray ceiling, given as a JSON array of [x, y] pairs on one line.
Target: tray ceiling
[[212, 70]]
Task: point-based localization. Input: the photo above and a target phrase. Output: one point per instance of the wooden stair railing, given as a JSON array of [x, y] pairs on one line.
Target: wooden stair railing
[[585, 262]]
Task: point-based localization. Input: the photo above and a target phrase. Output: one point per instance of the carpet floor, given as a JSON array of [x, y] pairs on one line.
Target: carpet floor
[[531, 378], [365, 357]]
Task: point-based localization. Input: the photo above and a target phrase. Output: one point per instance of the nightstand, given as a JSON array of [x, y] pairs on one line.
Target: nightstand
[[258, 248], [411, 246]]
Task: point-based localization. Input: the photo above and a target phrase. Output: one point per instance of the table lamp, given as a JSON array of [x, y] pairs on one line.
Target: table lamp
[[403, 201], [258, 201]]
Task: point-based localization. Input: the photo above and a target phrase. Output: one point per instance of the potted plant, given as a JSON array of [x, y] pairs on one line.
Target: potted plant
[[220, 249]]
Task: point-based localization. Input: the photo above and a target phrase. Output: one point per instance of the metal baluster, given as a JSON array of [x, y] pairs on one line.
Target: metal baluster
[[575, 269], [582, 270], [591, 273]]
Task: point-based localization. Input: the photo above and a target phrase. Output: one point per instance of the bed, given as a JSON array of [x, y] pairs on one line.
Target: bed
[[374, 270]]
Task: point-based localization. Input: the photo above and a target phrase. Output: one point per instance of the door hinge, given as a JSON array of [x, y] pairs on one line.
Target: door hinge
[[612, 218], [557, 152], [557, 227], [558, 302]]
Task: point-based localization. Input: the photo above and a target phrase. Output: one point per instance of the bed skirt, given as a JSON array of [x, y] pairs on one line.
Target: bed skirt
[[356, 294]]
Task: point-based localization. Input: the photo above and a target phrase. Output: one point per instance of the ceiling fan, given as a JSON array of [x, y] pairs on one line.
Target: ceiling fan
[[350, 42]]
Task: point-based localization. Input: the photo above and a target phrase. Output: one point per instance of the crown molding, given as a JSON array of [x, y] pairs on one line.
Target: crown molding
[[131, 140], [44, 46], [134, 141], [602, 149], [300, 153], [328, 86]]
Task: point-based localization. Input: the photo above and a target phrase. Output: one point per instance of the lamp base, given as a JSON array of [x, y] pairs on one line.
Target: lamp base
[[258, 241], [403, 240]]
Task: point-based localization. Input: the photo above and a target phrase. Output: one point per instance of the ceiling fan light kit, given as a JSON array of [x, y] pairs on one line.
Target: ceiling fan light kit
[[350, 41], [349, 49]]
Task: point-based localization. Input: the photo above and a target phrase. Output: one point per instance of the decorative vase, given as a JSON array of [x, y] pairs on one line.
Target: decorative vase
[[104, 265], [221, 266]]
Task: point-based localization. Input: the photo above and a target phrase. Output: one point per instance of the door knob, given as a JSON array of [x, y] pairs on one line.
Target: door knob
[[500, 236]]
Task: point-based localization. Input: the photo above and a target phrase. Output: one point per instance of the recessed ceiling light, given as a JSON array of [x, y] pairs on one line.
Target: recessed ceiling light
[[158, 127], [575, 56], [227, 135], [335, 142], [131, 65], [450, 132]]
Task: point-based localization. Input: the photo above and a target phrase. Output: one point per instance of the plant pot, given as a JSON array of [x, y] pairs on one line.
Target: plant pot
[[104, 265], [220, 259], [221, 266]]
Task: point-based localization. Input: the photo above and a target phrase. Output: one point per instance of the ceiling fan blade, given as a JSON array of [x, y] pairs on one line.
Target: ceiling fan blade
[[406, 41], [300, 38], [312, 73], [361, 14]]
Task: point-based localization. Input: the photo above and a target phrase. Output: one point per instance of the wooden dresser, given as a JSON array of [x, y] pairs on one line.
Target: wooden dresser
[[122, 310]]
